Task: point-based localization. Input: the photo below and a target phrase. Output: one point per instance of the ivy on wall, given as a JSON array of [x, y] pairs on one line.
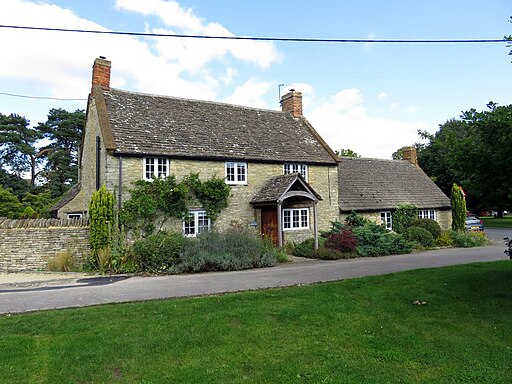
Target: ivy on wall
[[403, 216], [169, 198]]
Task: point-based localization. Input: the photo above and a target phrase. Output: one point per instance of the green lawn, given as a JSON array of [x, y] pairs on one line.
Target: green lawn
[[365, 330], [498, 222]]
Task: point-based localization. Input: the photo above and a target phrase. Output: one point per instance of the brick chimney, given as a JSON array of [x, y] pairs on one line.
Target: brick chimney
[[292, 103], [101, 73], [409, 154]]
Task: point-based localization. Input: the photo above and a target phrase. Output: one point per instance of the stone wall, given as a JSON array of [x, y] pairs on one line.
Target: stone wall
[[26, 245]]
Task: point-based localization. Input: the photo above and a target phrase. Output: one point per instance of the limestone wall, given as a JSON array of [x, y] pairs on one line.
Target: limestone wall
[[26, 245]]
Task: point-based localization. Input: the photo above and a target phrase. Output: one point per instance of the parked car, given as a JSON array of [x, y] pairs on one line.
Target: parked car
[[474, 223]]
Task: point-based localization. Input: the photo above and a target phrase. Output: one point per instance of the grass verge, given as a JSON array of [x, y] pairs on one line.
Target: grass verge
[[365, 330], [498, 222]]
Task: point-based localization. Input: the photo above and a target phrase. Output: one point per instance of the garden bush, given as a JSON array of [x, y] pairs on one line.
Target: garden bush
[[469, 239], [445, 239], [430, 225], [356, 220], [375, 240], [419, 235], [230, 251], [403, 216], [306, 248], [159, 253], [324, 253], [343, 241]]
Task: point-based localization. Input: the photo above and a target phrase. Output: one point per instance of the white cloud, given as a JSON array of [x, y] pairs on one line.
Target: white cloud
[[344, 123], [193, 54], [382, 96], [250, 94]]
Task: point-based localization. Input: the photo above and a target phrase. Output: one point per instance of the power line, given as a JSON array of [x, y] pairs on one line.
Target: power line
[[283, 39], [40, 97]]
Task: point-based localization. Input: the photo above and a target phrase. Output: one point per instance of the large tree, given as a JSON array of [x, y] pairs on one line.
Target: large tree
[[64, 130], [18, 146], [474, 152]]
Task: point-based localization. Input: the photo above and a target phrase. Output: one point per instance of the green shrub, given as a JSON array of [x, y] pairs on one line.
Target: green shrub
[[375, 240], [458, 202], [469, 239], [306, 248], [430, 225], [231, 251], [403, 216], [324, 253], [445, 239], [356, 220], [101, 220], [159, 253], [419, 235]]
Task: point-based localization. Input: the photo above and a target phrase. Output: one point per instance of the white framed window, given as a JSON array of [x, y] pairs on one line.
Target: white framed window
[[236, 172], [292, 168], [74, 215], [195, 222], [427, 214], [385, 218], [156, 167], [295, 218]]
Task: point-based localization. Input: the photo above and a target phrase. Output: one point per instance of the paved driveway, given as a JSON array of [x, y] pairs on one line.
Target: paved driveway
[[92, 291]]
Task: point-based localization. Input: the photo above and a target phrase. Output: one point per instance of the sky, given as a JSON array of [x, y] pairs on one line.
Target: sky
[[371, 98]]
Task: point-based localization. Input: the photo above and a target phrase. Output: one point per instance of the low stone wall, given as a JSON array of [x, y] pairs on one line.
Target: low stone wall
[[26, 245]]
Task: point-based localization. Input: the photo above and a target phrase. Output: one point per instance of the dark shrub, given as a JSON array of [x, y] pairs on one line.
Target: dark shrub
[[344, 241], [420, 236], [375, 240], [234, 250], [403, 216], [159, 253], [430, 225]]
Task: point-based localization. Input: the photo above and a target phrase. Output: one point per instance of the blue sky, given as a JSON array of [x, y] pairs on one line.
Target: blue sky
[[371, 98]]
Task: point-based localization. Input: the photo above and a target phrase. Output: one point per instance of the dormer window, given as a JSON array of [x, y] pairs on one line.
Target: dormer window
[[236, 172], [293, 168], [156, 167]]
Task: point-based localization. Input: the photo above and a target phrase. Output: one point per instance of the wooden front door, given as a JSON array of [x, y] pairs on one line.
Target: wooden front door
[[269, 224]]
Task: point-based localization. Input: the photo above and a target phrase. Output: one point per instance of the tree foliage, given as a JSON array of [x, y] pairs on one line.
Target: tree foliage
[[347, 153], [18, 149], [473, 152], [10, 206], [458, 209], [403, 216], [64, 130]]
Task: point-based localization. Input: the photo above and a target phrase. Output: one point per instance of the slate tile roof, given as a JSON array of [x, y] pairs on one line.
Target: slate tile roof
[[375, 184], [277, 186], [68, 196], [162, 125]]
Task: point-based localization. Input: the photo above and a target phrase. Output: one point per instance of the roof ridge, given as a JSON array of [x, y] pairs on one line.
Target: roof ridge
[[195, 100]]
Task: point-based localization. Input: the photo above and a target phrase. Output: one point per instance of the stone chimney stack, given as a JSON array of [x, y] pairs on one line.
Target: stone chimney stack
[[101, 73], [409, 154], [292, 103]]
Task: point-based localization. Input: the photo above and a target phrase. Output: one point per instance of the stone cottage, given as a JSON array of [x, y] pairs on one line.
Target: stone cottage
[[283, 176]]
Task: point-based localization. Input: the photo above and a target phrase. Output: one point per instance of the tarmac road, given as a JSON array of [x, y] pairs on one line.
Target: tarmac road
[[116, 289]]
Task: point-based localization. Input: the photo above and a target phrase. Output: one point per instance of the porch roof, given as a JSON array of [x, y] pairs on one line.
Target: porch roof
[[279, 188]]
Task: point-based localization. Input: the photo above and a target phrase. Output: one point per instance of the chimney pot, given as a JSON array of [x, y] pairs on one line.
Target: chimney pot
[[409, 154]]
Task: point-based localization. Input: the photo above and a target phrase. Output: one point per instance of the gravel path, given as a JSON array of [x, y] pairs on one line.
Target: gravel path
[[37, 278]]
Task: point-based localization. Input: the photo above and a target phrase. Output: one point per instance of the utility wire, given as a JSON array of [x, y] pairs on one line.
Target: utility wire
[[40, 97], [285, 39]]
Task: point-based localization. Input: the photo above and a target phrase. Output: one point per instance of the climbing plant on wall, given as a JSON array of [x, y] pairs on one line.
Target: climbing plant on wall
[[168, 198], [403, 216]]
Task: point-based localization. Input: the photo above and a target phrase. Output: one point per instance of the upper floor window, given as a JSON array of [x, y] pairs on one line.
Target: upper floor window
[[236, 172], [293, 168], [195, 222], [386, 220], [427, 214], [296, 218], [155, 167]]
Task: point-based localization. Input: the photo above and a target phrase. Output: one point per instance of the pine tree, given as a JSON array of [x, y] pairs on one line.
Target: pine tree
[[101, 219]]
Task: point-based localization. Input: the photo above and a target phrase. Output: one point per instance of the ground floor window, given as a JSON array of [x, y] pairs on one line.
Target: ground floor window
[[74, 215], [295, 218], [386, 220], [427, 214], [195, 223]]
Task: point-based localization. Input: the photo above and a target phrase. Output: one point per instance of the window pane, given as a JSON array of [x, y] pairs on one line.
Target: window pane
[[295, 223], [241, 172], [150, 167], [287, 169], [189, 227], [203, 224], [162, 167], [230, 171], [304, 218], [286, 219]]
